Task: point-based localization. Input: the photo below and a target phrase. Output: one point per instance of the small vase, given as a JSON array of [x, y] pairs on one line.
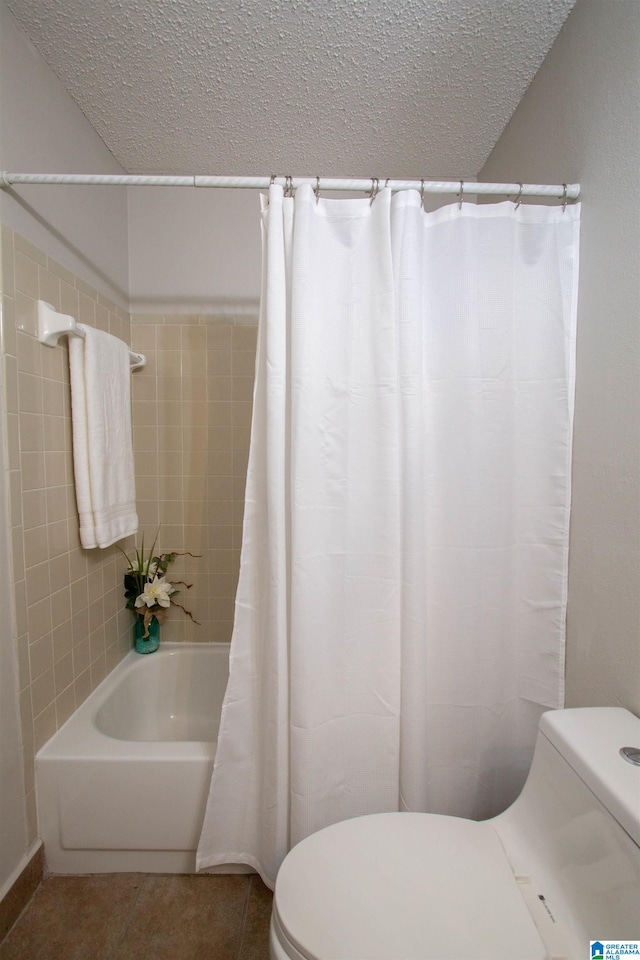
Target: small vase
[[146, 644]]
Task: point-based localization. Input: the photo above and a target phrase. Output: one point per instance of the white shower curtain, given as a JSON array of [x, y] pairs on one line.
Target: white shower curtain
[[400, 613]]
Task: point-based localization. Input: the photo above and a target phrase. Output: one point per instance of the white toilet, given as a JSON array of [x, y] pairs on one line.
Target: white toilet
[[558, 869]]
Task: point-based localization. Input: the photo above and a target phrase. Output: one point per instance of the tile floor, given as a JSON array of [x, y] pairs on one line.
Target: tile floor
[[132, 916]]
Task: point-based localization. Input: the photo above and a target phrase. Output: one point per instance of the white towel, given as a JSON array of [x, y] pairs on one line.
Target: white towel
[[102, 437]]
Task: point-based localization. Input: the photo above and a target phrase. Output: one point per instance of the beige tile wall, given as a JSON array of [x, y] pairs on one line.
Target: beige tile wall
[[192, 415], [71, 626]]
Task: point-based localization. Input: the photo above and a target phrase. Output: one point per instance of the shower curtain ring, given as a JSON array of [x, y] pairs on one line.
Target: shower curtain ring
[[288, 186], [519, 198], [374, 188], [460, 195], [422, 194], [564, 197], [317, 189]]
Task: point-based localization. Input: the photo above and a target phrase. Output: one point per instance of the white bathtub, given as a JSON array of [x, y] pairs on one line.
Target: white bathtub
[[122, 786]]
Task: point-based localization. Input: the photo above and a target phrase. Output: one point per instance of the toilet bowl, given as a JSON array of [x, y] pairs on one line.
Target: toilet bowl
[[558, 869]]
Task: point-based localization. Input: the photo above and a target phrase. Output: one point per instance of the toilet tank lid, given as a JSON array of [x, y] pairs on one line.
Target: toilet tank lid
[[590, 740]]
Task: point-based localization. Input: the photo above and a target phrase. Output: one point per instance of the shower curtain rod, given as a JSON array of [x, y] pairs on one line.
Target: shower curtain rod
[[565, 191]]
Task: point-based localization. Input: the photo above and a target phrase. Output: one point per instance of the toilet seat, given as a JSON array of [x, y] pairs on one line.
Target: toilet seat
[[402, 886]]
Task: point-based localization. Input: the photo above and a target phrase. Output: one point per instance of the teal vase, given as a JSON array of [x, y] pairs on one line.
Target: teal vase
[[150, 643]]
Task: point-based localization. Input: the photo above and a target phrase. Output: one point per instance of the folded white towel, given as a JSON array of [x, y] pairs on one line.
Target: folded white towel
[[102, 437]]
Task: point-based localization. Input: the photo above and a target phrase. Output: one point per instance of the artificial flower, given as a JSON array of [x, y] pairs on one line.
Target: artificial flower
[[157, 591]]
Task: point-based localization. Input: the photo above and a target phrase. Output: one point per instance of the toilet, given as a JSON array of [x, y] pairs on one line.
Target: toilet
[[558, 869]]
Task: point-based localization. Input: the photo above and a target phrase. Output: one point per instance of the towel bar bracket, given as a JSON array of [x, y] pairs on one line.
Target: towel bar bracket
[[53, 325]]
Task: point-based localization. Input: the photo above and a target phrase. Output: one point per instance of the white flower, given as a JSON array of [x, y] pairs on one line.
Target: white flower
[[157, 591]]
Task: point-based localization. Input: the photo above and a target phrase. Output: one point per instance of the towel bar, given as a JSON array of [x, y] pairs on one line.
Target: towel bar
[[53, 325]]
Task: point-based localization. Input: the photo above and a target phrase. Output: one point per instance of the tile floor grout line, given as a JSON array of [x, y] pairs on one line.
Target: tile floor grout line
[[243, 920], [127, 921]]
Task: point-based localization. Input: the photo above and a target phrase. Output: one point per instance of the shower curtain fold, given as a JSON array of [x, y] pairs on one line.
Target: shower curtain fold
[[400, 611]]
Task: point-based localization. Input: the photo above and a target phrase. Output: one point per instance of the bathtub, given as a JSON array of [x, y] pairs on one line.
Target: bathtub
[[122, 786]]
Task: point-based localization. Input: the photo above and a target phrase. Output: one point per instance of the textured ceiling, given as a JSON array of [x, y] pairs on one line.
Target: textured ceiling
[[402, 88]]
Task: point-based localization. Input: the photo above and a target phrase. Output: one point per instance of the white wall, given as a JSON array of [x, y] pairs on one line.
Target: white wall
[[579, 121], [194, 250], [42, 130]]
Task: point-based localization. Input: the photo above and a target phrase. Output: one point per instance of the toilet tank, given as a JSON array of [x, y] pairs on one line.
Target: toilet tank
[[573, 834]]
